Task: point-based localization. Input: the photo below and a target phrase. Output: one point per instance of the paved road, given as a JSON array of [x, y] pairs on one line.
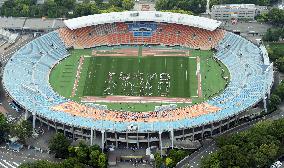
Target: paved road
[[10, 159], [194, 160], [8, 164]]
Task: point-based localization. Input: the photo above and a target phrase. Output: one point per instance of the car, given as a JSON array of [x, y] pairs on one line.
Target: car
[[276, 164]]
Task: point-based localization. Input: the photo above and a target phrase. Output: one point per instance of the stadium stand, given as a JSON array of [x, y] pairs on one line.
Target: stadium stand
[[148, 33], [26, 76], [246, 86]]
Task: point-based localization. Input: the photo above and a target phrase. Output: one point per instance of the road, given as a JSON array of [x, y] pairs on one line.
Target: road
[[194, 160], [10, 159]]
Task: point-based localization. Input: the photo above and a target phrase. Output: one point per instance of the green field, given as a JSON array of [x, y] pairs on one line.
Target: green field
[[135, 76]]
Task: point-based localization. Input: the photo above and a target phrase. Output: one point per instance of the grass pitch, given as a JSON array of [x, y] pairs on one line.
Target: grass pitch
[[132, 74]]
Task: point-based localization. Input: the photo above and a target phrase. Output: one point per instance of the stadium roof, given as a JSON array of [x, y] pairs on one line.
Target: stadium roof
[[168, 17]]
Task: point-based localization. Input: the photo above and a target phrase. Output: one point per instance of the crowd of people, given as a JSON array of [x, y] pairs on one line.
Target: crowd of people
[[124, 116]]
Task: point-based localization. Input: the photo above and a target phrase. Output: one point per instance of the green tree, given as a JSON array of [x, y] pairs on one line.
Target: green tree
[[280, 64], [265, 155], [69, 4], [163, 5], [276, 16], [274, 101], [59, 145], [195, 6], [177, 155], [262, 17], [127, 4], [273, 34], [83, 9], [68, 163], [158, 160], [39, 164], [273, 54], [211, 161], [82, 152], [4, 128], [231, 156], [256, 147], [22, 130], [102, 161], [71, 163], [169, 162], [279, 91], [112, 9], [94, 158], [277, 130], [117, 3]]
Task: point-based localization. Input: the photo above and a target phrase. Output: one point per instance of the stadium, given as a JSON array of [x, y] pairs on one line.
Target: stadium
[[139, 79]]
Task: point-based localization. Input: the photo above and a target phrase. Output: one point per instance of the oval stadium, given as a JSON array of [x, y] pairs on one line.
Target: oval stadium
[[139, 79]]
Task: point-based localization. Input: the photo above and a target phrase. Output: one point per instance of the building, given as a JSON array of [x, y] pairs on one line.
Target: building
[[236, 11]]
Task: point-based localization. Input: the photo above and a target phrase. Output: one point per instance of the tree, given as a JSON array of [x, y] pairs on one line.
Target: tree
[[273, 34], [83, 9], [128, 4], [94, 158], [112, 9], [280, 64], [4, 128], [169, 162], [82, 152], [117, 3], [163, 5], [231, 156], [39, 164], [72, 163], [211, 161], [69, 4], [274, 101], [279, 91], [59, 145], [22, 130], [177, 155], [195, 6], [158, 160], [277, 130], [265, 155], [276, 16], [102, 161], [68, 163]]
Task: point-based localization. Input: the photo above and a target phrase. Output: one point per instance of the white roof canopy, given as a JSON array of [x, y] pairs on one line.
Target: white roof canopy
[[132, 16]]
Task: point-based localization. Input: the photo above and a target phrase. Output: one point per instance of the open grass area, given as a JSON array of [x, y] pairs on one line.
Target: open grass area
[[212, 75], [63, 75], [139, 76], [145, 76]]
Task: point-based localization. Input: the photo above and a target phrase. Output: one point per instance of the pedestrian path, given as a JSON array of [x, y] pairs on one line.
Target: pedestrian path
[[8, 164]]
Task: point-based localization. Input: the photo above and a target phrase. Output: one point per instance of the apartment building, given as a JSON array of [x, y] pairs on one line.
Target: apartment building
[[237, 11]]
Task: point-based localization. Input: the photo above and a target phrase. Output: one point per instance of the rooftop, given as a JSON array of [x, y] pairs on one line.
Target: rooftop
[[168, 17], [234, 6]]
